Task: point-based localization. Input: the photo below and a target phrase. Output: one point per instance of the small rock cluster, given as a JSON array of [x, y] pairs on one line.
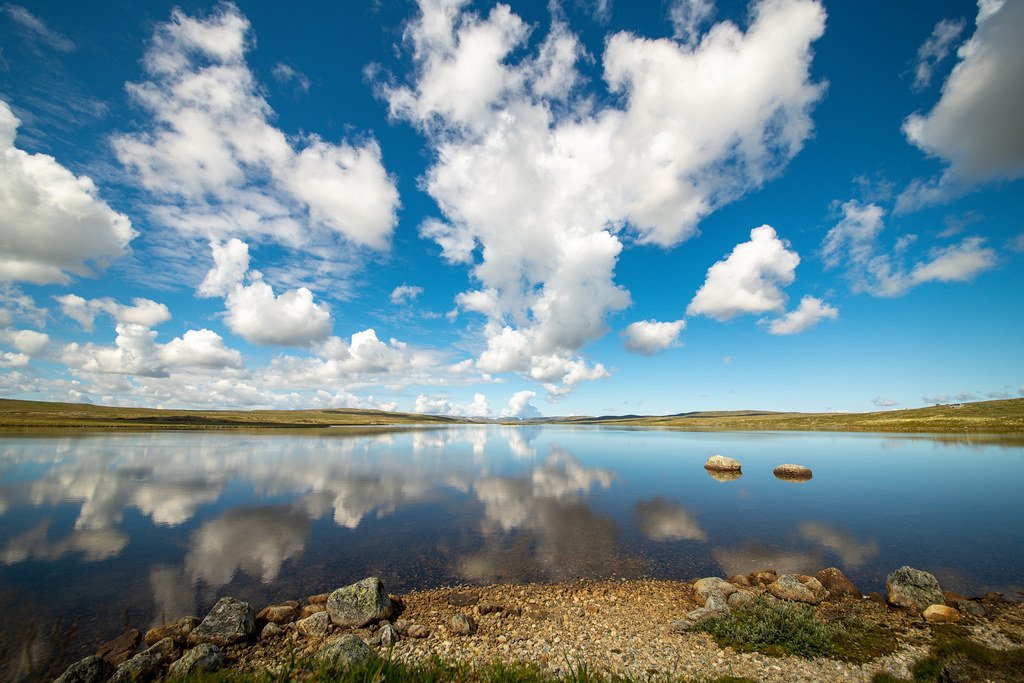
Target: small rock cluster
[[728, 469]]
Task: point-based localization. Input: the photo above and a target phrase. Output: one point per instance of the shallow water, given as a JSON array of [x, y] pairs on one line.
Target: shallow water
[[102, 530]]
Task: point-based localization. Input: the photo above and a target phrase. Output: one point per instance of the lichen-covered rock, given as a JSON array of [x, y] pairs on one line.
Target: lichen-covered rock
[[794, 472], [796, 588], [909, 587], [315, 626], [165, 649], [941, 614], [204, 657], [714, 606], [740, 599], [359, 604], [284, 613], [120, 649], [176, 630], [230, 621], [143, 667], [720, 463], [347, 651], [713, 584], [836, 583], [92, 669], [463, 625]]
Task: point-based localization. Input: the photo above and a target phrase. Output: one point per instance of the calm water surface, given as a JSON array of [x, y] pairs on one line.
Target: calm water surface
[[99, 531]]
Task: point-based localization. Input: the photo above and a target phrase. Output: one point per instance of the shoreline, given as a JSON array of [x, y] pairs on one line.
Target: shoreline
[[633, 628]]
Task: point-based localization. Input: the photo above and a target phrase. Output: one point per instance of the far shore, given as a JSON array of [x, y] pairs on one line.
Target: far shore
[[983, 417]]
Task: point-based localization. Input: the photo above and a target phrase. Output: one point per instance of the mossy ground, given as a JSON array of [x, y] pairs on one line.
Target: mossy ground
[[778, 628], [954, 658]]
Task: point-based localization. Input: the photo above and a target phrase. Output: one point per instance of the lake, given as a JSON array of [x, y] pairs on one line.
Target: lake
[[99, 531]]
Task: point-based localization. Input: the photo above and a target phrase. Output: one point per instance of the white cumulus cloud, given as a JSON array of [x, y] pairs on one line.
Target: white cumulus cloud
[[537, 183], [53, 223], [216, 165], [809, 313], [404, 294], [855, 243], [975, 128], [291, 318], [749, 280], [650, 336]]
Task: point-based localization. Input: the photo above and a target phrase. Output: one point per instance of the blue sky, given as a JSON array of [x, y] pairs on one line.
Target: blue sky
[[510, 210]]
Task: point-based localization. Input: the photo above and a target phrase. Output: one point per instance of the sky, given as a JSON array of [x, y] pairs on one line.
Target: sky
[[512, 210]]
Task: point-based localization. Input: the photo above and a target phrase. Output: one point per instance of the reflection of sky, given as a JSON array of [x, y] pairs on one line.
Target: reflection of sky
[[195, 516]]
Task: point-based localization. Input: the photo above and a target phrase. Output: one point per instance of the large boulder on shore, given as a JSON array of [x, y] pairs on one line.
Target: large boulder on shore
[[909, 587], [92, 669], [359, 604], [837, 584], [720, 463], [347, 651], [145, 666], [205, 657], [230, 621]]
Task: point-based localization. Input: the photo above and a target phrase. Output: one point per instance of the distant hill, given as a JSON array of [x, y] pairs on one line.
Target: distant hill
[[991, 417], [15, 414]]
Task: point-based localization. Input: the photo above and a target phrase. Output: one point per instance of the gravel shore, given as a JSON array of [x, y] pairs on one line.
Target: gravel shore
[[618, 627]]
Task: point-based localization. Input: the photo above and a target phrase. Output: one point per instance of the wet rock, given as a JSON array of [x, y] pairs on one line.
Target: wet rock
[[320, 599], [792, 472], [203, 657], [93, 669], [711, 585], [165, 649], [720, 463], [836, 583], [740, 599], [120, 649], [271, 630], [316, 626], [941, 614], [230, 621], [359, 604], [347, 651], [418, 631], [463, 625], [388, 636], [797, 588], [145, 666], [909, 587], [176, 630], [280, 614]]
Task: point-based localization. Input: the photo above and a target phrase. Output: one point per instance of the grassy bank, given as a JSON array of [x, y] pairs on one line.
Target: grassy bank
[[983, 417], [38, 414]]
